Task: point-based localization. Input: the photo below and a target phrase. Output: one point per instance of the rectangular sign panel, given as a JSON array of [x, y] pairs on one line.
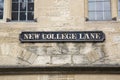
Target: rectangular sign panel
[[85, 36]]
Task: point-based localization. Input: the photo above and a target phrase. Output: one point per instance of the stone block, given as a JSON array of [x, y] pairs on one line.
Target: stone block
[[93, 56], [42, 60], [8, 61], [41, 50], [5, 48], [61, 59], [28, 57], [116, 39], [32, 49], [79, 59], [73, 49]]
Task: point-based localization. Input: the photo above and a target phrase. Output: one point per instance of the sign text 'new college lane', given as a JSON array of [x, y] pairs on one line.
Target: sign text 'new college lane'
[[90, 36]]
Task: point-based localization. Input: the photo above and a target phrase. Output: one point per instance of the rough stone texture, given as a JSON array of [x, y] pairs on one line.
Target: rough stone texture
[[42, 60], [61, 59], [41, 50], [60, 77], [7, 61], [27, 57], [80, 59], [59, 15]]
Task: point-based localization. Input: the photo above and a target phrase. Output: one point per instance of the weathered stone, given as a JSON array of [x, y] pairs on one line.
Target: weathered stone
[[4, 34], [5, 48], [79, 59], [73, 49], [42, 60], [116, 39], [93, 56], [15, 50], [59, 15], [61, 59], [41, 50], [62, 48], [32, 49], [53, 51], [8, 60], [80, 47], [11, 49], [27, 56], [61, 77]]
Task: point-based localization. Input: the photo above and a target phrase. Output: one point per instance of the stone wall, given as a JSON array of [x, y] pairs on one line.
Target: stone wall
[[60, 77], [58, 15]]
